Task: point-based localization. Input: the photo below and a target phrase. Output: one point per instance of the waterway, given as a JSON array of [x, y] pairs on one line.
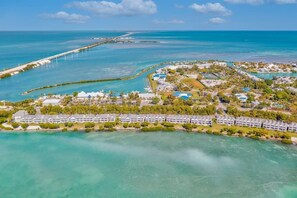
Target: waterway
[[117, 60], [272, 75]]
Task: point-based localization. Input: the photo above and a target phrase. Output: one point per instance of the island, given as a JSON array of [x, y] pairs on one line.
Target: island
[[214, 97]]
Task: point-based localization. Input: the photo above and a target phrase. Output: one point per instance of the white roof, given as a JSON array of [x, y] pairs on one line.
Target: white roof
[[51, 101], [91, 94], [147, 95]]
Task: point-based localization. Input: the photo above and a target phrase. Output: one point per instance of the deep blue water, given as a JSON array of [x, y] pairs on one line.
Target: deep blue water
[[115, 60]]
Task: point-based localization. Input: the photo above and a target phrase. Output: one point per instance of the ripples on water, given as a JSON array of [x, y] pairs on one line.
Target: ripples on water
[[144, 165], [126, 59]]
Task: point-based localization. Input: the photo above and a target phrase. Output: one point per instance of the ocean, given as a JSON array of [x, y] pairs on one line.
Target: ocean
[[133, 164], [116, 60], [129, 164]]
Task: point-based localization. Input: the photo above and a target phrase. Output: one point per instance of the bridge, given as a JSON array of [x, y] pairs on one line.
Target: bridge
[[25, 67]]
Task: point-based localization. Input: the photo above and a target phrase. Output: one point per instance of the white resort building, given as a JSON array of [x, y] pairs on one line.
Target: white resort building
[[225, 120], [292, 127], [275, 125], [249, 122], [23, 117], [131, 118], [178, 119], [148, 96], [84, 95], [51, 101], [202, 120], [153, 118]]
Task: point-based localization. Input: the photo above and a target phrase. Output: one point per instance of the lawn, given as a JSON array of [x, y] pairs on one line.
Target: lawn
[[193, 83], [153, 84]]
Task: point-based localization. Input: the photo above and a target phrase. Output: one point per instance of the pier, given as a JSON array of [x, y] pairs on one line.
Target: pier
[[28, 66]]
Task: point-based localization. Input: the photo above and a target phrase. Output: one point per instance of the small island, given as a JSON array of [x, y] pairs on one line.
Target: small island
[[214, 97]]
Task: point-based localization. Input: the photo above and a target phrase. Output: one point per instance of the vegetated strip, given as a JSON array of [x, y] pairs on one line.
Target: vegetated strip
[[97, 80]]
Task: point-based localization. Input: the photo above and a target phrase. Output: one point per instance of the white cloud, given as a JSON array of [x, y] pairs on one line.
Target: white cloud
[[175, 21], [250, 2], [67, 17], [217, 20], [260, 2], [125, 7], [211, 8], [285, 1]]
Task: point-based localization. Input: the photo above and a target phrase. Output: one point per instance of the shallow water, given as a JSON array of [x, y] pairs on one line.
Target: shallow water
[[144, 165], [272, 75], [115, 60]]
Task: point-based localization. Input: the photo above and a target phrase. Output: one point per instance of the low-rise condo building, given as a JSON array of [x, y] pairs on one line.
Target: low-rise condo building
[[131, 118], [249, 122], [202, 120], [225, 120], [275, 125], [18, 116], [153, 118], [178, 119], [292, 127], [24, 117], [36, 119], [106, 118]]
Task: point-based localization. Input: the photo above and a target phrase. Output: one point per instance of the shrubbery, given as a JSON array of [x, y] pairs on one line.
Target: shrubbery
[[286, 141], [89, 125], [49, 126]]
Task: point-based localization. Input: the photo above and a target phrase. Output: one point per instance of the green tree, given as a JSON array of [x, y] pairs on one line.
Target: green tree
[[15, 125], [125, 125], [144, 124], [75, 94], [24, 126], [155, 100], [89, 125]]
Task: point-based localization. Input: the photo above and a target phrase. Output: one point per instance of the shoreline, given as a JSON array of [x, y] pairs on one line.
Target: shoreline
[[135, 130], [253, 75], [123, 78]]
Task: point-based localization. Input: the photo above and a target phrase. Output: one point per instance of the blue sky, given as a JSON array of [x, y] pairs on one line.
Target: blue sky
[[148, 15]]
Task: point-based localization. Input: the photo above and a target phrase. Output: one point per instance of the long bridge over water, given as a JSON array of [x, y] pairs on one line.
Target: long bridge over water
[[47, 60]]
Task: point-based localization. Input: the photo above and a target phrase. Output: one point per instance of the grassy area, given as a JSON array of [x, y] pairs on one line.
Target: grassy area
[[214, 128], [218, 128], [153, 84], [193, 83]]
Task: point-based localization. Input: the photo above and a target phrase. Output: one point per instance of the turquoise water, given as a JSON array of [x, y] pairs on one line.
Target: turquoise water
[[117, 60], [264, 76], [22, 47], [270, 76], [144, 165]]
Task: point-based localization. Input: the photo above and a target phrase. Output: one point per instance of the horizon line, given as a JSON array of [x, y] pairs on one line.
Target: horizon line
[[156, 30]]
